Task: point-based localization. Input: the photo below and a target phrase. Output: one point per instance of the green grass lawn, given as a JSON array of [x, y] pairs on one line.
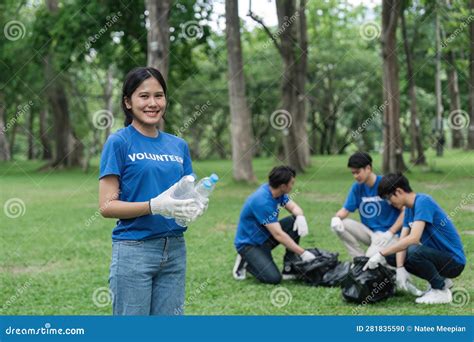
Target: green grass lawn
[[54, 256]]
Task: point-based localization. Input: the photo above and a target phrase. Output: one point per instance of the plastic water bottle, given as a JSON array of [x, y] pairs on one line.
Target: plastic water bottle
[[206, 185], [184, 190]]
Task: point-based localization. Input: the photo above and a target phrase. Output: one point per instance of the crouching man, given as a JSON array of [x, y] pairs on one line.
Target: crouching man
[[429, 246], [259, 230], [379, 221]]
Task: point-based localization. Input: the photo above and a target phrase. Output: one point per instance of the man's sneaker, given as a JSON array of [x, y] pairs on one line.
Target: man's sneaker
[[448, 283], [288, 272], [240, 268], [434, 296]]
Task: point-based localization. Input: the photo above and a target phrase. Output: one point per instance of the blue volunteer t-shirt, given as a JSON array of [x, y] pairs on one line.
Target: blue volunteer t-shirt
[[439, 232], [146, 167], [259, 209], [376, 213]]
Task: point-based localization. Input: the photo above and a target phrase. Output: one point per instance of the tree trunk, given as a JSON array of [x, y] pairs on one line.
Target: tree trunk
[[44, 138], [30, 133], [296, 146], [455, 100], [65, 145], [158, 38], [417, 153], [241, 128], [470, 141], [393, 149], [108, 98], [4, 144], [439, 104]]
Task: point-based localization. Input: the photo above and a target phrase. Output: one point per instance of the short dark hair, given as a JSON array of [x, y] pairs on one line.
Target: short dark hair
[[391, 182], [134, 78], [280, 175], [359, 160]]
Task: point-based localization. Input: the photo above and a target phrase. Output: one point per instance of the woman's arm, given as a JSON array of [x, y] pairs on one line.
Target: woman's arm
[[111, 207]]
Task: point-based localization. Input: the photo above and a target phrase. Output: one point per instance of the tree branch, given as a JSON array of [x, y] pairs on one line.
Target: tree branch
[[265, 28]]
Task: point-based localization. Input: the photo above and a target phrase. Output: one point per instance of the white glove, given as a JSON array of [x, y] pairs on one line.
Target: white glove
[[187, 209], [336, 224], [382, 239], [307, 256], [301, 226], [402, 278], [374, 261], [403, 282]]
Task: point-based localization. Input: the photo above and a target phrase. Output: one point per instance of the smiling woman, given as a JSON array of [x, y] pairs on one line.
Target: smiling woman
[[139, 171]]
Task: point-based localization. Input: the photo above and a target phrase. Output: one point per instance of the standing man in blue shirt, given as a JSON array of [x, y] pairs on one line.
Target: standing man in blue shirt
[[259, 230], [379, 220], [429, 247]]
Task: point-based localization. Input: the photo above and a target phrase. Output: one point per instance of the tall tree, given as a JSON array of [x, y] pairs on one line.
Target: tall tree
[[393, 148], [241, 128], [439, 103], [455, 99], [417, 153], [4, 144], [293, 48], [158, 38], [470, 143]]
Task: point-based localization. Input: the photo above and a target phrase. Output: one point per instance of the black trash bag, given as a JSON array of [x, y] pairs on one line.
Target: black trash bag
[[335, 276], [312, 272], [368, 286]]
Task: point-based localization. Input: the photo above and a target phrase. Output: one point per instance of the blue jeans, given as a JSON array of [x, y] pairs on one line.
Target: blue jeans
[[259, 259], [429, 264], [148, 277]]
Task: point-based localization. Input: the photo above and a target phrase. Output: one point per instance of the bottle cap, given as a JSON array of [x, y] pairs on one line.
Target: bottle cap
[[214, 178]]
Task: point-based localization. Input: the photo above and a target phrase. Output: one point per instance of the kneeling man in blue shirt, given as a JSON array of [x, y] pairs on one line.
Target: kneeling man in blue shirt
[[259, 230], [429, 247]]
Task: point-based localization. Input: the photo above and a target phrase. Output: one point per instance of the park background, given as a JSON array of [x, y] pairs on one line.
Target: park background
[[249, 87]]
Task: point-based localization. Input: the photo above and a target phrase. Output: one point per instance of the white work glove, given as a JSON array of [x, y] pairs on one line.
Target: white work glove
[[307, 256], [374, 261], [336, 224], [382, 239], [402, 278], [301, 226], [187, 209], [404, 283]]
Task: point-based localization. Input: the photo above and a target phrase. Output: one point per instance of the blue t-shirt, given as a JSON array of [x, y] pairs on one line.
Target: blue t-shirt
[[439, 232], [146, 167], [259, 209], [376, 213]]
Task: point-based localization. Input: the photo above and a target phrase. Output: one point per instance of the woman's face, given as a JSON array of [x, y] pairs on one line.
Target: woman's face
[[148, 102]]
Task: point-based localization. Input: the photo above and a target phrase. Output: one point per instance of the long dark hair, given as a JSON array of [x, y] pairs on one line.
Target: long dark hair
[[134, 78]]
